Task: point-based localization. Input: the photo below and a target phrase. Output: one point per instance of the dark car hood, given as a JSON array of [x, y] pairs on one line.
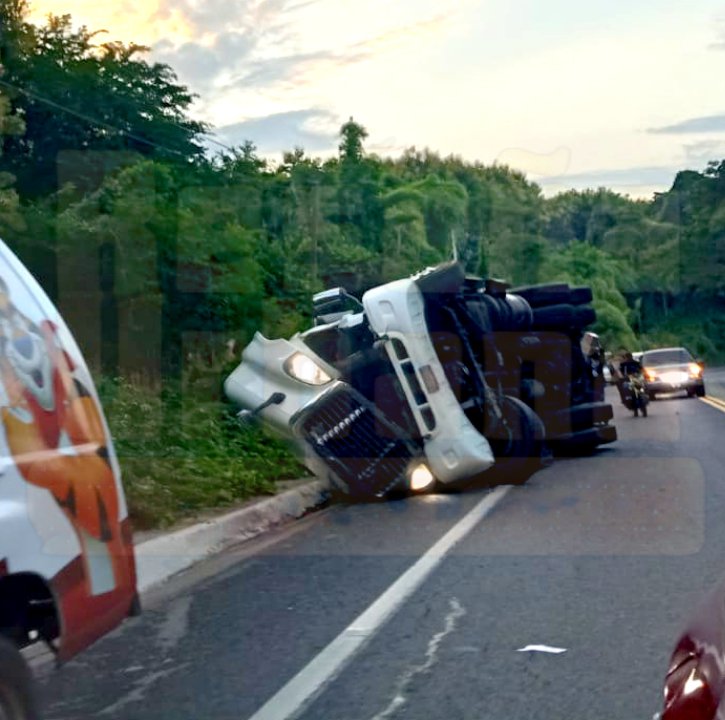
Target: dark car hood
[[701, 648]]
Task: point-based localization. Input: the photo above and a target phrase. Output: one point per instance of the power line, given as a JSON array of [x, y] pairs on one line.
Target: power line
[[89, 119], [217, 142], [102, 123]]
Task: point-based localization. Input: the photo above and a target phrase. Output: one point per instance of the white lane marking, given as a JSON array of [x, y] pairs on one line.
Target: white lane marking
[[456, 612], [322, 669]]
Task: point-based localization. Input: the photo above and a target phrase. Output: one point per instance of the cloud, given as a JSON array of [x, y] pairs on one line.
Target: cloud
[[617, 177], [227, 37], [255, 43], [217, 16], [709, 123], [701, 152], [200, 65], [544, 164], [313, 129], [293, 68], [720, 43], [402, 34], [263, 58]]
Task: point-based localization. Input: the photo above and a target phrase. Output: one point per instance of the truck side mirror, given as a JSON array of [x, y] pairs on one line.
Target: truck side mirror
[[248, 417]]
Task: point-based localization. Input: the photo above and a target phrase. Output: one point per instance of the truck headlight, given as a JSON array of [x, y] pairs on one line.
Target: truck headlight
[[420, 477], [306, 370]]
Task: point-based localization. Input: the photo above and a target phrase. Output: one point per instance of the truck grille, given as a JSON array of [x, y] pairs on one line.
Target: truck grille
[[367, 452]]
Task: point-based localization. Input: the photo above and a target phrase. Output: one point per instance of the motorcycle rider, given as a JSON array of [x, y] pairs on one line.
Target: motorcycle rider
[[628, 368]]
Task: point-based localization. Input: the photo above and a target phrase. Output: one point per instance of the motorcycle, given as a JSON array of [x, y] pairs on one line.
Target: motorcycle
[[429, 381], [635, 393]]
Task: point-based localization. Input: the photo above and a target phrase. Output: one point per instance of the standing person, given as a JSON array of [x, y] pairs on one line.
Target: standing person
[[594, 353]]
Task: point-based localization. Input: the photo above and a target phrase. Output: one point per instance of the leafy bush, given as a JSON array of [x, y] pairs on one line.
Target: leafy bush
[[176, 466], [703, 333]]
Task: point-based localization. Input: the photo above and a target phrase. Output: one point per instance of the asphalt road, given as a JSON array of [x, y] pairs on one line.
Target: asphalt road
[[715, 382], [603, 557]]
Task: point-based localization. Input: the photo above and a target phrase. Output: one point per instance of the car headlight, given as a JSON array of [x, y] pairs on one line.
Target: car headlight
[[650, 374], [306, 370], [695, 370], [420, 477]]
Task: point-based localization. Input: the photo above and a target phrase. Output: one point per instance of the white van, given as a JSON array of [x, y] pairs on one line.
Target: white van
[[67, 571]]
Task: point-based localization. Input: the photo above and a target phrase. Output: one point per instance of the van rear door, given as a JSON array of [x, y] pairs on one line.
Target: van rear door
[[63, 515]]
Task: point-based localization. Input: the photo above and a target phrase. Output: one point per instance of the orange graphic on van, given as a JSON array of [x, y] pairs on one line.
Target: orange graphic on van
[[58, 441]]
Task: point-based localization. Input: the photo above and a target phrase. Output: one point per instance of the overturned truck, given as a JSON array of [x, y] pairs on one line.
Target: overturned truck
[[431, 380]]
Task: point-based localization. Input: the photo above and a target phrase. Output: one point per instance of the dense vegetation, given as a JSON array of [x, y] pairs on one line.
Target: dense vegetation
[[166, 258]]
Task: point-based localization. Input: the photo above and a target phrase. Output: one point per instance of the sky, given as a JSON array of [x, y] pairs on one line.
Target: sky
[[615, 93]]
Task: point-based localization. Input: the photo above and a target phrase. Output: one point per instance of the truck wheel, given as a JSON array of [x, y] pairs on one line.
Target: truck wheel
[[543, 295], [584, 316], [581, 296], [16, 685], [521, 451], [554, 317]]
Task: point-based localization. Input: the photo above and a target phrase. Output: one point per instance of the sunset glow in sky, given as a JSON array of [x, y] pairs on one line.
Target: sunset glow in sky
[[620, 93]]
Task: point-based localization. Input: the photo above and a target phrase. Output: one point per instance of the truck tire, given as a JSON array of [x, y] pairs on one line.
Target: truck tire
[[554, 317], [564, 317], [521, 451], [16, 685], [581, 295], [584, 316], [544, 295]]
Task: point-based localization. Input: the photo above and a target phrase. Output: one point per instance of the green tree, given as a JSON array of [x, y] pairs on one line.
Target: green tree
[[10, 215], [444, 209], [584, 264], [352, 136], [77, 95], [360, 212], [406, 249]]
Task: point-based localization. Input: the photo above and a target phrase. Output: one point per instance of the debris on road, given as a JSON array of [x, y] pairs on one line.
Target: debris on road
[[542, 649]]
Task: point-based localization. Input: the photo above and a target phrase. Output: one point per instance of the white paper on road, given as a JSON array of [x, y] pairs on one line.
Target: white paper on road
[[542, 649]]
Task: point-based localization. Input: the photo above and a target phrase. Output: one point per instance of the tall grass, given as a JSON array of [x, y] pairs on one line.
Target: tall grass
[[196, 457]]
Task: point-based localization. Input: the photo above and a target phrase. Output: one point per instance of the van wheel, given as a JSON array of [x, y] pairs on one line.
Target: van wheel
[[16, 685]]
